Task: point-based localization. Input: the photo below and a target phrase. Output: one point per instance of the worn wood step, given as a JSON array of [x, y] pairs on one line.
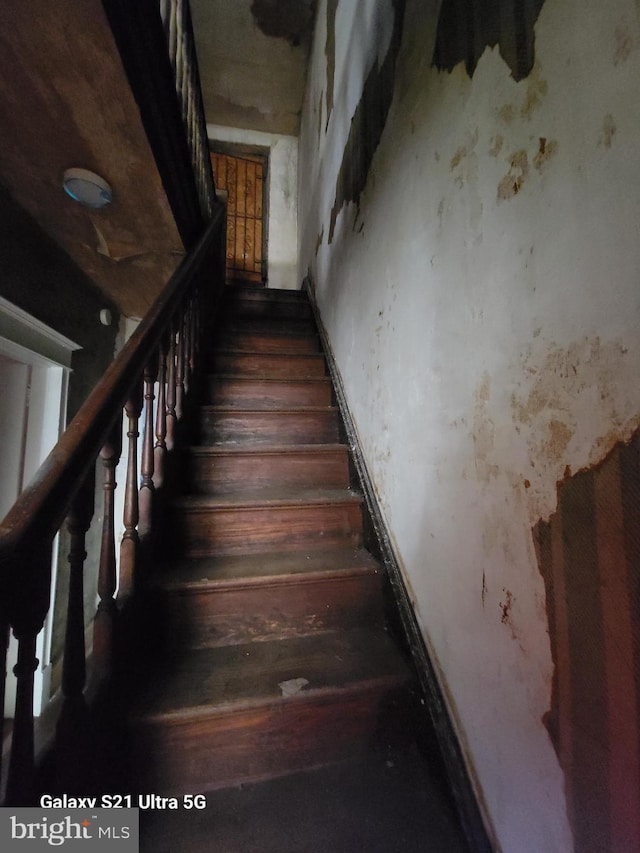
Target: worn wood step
[[248, 392], [307, 425], [269, 365], [276, 521], [222, 469], [255, 341], [225, 600], [249, 305], [218, 717]]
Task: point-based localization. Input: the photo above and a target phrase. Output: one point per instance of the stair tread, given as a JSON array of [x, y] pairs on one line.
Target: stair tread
[[228, 678], [265, 294], [242, 377], [265, 449], [285, 409], [199, 572], [268, 497], [313, 356]]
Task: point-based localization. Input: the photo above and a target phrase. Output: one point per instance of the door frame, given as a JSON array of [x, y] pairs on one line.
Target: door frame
[[242, 151], [43, 386]]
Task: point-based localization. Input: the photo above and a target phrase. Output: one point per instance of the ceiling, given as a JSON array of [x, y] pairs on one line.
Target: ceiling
[[65, 102], [252, 56]]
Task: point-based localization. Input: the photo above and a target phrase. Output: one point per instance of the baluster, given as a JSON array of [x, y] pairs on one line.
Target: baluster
[[160, 450], [103, 628], [180, 367], [147, 486], [188, 347], [192, 333], [72, 735], [130, 539], [171, 391], [27, 605]]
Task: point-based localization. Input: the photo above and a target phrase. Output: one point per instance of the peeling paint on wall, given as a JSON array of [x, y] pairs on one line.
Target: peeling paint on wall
[[588, 553], [367, 124], [513, 360], [466, 28]]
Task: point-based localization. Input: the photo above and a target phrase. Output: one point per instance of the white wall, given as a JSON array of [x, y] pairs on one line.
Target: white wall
[[282, 263], [485, 316]]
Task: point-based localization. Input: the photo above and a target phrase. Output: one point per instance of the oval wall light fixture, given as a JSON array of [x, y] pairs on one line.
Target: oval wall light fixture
[[86, 187]]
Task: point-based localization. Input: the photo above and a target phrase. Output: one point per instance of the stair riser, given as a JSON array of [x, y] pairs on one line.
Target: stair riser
[[268, 365], [272, 610], [255, 342], [264, 294], [228, 749], [248, 531], [269, 427], [240, 309], [221, 474], [267, 325], [260, 394]]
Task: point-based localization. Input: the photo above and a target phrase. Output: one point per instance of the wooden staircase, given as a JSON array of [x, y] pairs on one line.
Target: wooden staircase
[[273, 655]]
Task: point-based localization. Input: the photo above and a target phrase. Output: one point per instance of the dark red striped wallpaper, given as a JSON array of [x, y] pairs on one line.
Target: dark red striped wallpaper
[[589, 556]]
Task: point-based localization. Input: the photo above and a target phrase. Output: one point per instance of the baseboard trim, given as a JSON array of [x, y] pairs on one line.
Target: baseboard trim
[[432, 700]]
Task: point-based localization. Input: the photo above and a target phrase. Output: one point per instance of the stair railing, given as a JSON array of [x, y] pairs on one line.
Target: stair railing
[[181, 45], [162, 354], [157, 47]]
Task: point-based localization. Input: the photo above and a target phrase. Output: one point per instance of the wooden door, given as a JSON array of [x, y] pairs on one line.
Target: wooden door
[[243, 179]]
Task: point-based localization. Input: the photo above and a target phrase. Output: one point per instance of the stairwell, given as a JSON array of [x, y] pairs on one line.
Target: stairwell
[[269, 653]]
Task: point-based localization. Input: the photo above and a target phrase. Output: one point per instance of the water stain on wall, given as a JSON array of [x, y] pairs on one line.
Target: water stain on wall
[[547, 148], [467, 27], [368, 123], [505, 608], [534, 95], [609, 130], [496, 145], [518, 173], [484, 434], [588, 553], [626, 42], [464, 150]]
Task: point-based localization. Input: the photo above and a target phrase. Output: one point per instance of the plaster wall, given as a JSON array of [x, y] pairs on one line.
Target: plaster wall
[[282, 258], [482, 302]]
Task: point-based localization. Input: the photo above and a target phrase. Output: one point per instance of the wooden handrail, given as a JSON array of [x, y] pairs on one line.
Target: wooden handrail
[[28, 530]]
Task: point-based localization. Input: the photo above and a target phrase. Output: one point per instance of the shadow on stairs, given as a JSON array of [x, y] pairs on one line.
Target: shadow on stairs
[[272, 681]]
